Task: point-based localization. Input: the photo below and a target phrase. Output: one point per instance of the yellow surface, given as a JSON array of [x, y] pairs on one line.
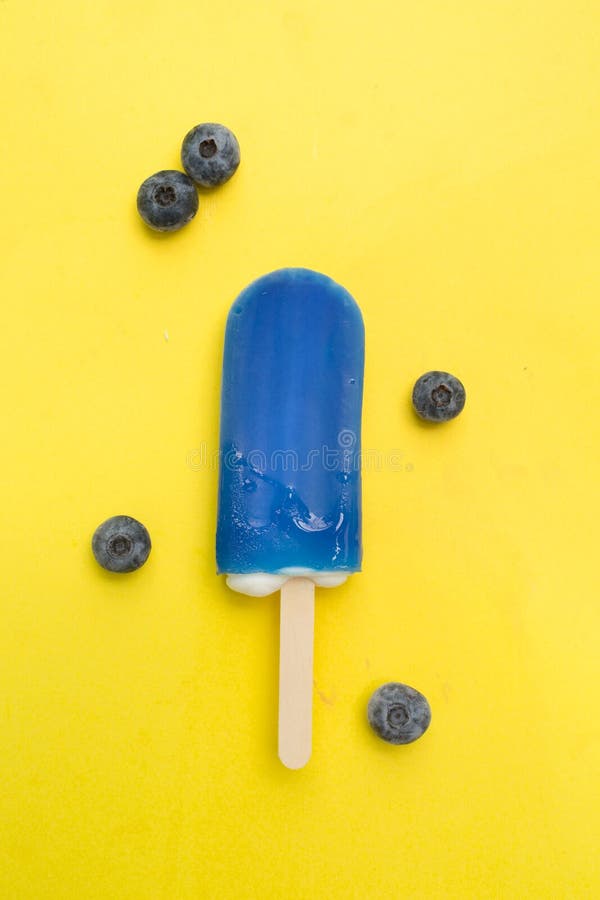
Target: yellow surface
[[442, 161]]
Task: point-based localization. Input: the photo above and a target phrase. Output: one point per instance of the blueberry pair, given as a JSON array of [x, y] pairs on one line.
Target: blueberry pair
[[168, 200]]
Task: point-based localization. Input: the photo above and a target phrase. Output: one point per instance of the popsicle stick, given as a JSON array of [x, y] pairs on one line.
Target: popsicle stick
[[296, 641]]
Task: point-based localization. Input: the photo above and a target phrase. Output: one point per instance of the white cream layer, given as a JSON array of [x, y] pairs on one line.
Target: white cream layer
[[259, 584]]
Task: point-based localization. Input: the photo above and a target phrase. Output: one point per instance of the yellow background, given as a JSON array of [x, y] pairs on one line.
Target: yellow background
[[442, 161]]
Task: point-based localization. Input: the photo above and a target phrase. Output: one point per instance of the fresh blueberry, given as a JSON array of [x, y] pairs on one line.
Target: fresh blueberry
[[210, 154], [438, 396], [121, 544], [167, 200], [398, 713]]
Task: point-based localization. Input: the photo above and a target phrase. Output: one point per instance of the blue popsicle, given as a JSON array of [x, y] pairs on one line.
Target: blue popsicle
[[289, 490]]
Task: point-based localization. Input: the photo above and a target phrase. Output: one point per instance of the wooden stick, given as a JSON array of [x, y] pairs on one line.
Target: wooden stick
[[297, 625]]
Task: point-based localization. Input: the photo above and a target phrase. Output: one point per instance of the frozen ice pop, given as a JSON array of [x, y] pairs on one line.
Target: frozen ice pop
[[289, 512]]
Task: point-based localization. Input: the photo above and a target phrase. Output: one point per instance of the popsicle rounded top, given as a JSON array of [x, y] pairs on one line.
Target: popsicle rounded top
[[289, 487]]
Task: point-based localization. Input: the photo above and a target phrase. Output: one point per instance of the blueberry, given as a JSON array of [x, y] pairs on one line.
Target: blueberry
[[438, 396], [398, 713], [121, 544], [167, 200], [210, 154]]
